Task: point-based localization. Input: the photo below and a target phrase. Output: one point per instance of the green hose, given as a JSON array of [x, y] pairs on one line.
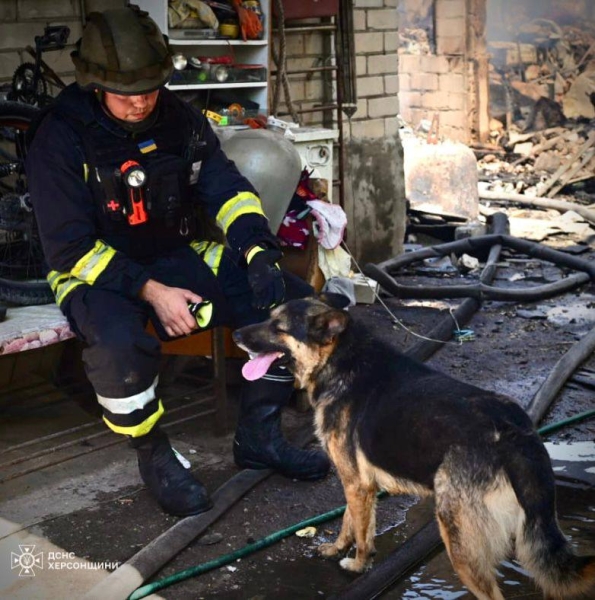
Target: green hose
[[559, 424], [146, 590]]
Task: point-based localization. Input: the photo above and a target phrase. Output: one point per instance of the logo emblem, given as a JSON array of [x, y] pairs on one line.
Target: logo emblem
[[26, 561]]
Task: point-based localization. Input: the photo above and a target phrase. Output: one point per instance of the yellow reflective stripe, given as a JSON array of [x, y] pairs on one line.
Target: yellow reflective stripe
[[55, 278], [210, 252], [62, 284], [140, 429], [94, 263], [253, 252], [66, 289], [86, 172], [242, 204]]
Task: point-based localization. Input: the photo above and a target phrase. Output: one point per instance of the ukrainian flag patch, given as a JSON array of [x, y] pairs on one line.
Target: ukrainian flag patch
[[147, 146]]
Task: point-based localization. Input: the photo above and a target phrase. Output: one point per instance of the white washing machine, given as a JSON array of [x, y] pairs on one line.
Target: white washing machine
[[315, 147]]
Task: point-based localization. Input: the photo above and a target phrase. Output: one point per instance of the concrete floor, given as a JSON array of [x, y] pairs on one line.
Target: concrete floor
[[71, 488]]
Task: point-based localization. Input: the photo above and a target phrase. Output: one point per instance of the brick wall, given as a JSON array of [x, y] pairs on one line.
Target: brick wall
[[373, 177], [376, 46], [439, 81], [22, 20]]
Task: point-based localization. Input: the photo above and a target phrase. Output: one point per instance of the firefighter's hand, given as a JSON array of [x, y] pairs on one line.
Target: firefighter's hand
[[265, 277], [171, 307]]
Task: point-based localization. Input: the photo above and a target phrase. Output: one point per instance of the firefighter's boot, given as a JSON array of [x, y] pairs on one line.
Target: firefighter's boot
[[259, 443], [173, 486]]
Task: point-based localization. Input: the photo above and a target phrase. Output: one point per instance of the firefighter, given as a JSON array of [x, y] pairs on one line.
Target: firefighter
[[116, 171]]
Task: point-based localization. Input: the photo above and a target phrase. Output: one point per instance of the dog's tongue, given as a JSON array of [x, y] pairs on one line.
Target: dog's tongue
[[256, 367]]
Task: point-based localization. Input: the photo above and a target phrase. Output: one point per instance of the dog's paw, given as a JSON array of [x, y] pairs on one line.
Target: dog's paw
[[352, 564], [328, 550]]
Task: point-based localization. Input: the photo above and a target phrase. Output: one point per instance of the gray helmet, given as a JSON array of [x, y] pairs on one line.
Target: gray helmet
[[122, 51]]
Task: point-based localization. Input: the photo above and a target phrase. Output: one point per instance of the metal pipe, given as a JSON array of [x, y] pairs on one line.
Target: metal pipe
[[307, 28]]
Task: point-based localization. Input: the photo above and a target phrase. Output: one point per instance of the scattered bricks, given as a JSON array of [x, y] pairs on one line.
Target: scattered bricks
[[370, 86], [382, 63], [383, 19], [366, 43]]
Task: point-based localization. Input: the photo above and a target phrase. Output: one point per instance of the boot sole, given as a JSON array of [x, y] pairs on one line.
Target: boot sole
[[191, 513]]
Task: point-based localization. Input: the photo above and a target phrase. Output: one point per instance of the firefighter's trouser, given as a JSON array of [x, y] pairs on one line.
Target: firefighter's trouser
[[122, 359]]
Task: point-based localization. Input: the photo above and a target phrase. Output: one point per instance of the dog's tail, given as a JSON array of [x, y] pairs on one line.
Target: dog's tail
[[541, 547]]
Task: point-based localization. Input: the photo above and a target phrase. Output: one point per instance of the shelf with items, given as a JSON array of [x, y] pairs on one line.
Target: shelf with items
[[242, 72]]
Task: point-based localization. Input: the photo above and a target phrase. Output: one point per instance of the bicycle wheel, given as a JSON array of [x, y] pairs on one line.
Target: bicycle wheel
[[22, 268]]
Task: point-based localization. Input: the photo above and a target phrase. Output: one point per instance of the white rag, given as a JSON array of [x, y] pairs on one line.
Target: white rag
[[331, 221]]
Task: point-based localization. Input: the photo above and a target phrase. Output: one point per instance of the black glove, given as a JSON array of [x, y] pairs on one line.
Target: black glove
[[265, 278]]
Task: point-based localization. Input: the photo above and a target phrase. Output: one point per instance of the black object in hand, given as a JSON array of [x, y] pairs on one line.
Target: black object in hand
[[266, 279]]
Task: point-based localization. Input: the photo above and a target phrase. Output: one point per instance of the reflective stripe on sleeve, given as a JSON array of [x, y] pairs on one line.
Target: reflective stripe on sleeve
[[123, 406], [94, 263], [210, 252], [62, 284], [242, 204]]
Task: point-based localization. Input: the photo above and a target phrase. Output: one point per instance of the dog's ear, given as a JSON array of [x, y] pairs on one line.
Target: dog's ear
[[326, 326], [334, 300]]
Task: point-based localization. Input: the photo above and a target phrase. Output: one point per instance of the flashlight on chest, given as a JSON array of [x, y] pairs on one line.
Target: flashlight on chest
[[135, 179]]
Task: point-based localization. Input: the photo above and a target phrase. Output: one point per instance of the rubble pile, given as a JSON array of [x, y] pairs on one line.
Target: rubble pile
[[543, 163], [545, 76]]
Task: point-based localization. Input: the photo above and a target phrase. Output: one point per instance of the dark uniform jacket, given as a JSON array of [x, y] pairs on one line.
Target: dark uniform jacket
[[83, 207]]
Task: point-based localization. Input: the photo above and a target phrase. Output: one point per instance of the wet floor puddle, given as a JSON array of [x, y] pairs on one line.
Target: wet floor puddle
[[305, 576], [436, 579]]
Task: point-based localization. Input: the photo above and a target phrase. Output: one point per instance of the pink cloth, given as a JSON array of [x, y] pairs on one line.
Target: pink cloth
[[331, 222]]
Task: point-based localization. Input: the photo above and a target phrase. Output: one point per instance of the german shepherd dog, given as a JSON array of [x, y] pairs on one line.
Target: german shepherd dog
[[392, 423]]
